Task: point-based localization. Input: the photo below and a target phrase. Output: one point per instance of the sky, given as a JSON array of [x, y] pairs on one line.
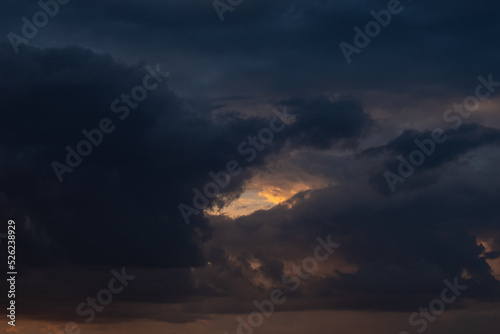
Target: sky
[[250, 166]]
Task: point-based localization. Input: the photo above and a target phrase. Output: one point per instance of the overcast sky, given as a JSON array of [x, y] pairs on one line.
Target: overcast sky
[[119, 118]]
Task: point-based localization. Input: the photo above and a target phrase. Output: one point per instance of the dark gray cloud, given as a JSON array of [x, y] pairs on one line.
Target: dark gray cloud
[[283, 46], [132, 183], [455, 144], [403, 247], [120, 206]]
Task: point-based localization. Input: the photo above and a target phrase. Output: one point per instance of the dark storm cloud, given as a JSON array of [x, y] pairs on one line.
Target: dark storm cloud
[[285, 46], [458, 142], [325, 121], [404, 247], [117, 195], [129, 186], [272, 268], [120, 205]]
